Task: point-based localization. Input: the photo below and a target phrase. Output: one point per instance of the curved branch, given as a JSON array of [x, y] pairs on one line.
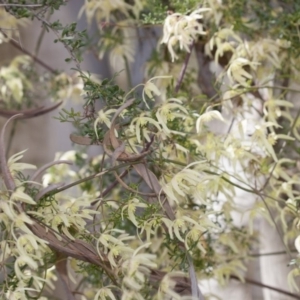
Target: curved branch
[[257, 283], [29, 113], [47, 166], [7, 177]]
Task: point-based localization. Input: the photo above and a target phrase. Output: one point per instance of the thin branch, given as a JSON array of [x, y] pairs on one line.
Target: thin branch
[[47, 166], [74, 248], [262, 285], [41, 36], [109, 188], [28, 113], [195, 290], [21, 5], [277, 227], [6, 174], [46, 23], [11, 135], [34, 58], [129, 80], [271, 253], [281, 149], [116, 182], [67, 186], [183, 69]]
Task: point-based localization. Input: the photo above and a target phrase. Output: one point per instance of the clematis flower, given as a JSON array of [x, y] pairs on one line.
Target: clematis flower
[[105, 293], [236, 72], [19, 195], [182, 29], [136, 266], [13, 165], [103, 9], [208, 116], [167, 285], [168, 112], [103, 117], [140, 123], [114, 245], [131, 208], [291, 279], [150, 89], [224, 40], [15, 82]]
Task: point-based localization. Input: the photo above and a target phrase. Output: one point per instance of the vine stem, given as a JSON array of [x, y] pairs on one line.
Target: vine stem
[[262, 285], [280, 151], [6, 174], [129, 80], [196, 292], [41, 36], [11, 136], [183, 69], [21, 5], [67, 186], [34, 58]]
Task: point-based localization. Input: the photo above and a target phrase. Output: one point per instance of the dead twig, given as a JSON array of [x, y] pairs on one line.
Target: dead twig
[[28, 113]]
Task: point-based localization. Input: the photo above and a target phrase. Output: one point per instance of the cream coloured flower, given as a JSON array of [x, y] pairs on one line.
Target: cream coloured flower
[[103, 9], [169, 111], [103, 117], [182, 29], [17, 166], [236, 72], [139, 125], [208, 116], [151, 89], [131, 208], [105, 293]]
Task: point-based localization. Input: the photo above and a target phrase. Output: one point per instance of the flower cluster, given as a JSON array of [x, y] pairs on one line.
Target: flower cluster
[[14, 82], [183, 29]]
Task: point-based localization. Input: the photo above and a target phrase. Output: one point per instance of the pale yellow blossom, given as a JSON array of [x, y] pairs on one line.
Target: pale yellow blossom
[[182, 29], [208, 116], [103, 117]]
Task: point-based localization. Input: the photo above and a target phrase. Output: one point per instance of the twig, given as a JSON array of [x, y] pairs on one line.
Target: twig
[[36, 59], [271, 253], [109, 188], [28, 113], [277, 227], [129, 80], [12, 133], [47, 166], [74, 248], [7, 177], [194, 282], [41, 36], [46, 23], [115, 183], [21, 5], [67, 186], [281, 149], [183, 69], [195, 290], [262, 285]]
